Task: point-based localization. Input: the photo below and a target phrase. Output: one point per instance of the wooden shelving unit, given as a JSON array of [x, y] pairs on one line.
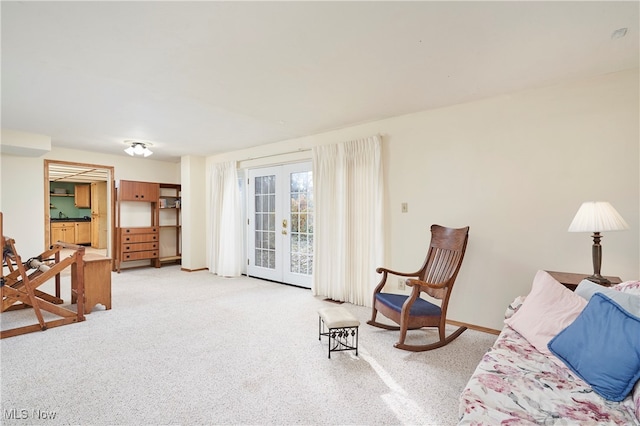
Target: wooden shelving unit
[[135, 242], [170, 220], [159, 238]]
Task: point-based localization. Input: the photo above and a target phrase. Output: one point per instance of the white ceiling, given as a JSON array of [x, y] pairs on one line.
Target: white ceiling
[[200, 78]]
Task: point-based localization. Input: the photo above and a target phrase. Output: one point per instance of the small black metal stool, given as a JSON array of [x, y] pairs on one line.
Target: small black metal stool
[[341, 327]]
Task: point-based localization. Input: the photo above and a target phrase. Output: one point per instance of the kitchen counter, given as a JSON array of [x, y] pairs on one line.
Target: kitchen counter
[[71, 219]]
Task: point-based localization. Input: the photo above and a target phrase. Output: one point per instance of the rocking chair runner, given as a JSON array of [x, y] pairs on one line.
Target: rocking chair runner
[[436, 278]]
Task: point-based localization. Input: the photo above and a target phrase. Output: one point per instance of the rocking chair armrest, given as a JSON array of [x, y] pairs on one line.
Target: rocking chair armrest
[[412, 282], [401, 274]]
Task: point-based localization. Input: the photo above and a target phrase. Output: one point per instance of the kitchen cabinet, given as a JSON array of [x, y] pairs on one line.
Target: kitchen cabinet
[[82, 196], [99, 214], [63, 231], [71, 232], [82, 232]]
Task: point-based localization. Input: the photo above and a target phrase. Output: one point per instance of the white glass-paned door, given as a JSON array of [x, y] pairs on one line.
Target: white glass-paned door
[[263, 261], [298, 267], [280, 245]]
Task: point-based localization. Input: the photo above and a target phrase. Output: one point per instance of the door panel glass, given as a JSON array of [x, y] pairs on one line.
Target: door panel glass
[[301, 255], [265, 221]]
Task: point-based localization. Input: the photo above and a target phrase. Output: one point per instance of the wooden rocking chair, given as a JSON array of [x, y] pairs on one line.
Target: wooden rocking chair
[[435, 278]]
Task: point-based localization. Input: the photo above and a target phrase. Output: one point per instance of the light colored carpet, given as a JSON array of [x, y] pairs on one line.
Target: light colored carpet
[[193, 348]]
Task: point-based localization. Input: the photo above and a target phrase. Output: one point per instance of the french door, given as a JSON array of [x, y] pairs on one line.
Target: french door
[[280, 243]]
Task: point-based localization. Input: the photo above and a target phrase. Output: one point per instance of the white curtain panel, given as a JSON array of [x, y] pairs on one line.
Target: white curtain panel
[[348, 246], [225, 242]]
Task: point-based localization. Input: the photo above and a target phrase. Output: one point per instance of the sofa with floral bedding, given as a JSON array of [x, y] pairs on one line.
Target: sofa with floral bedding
[[563, 358]]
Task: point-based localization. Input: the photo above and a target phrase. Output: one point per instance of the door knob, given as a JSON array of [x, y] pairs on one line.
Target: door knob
[[284, 232], [284, 223]]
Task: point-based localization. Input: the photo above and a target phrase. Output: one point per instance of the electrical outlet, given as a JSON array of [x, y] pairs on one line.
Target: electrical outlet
[[405, 207], [400, 284]]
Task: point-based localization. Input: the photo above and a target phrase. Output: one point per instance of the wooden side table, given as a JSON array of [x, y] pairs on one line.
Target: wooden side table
[[97, 282], [571, 280]]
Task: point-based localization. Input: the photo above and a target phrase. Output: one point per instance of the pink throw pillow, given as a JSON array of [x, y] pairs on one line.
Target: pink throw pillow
[[548, 309]]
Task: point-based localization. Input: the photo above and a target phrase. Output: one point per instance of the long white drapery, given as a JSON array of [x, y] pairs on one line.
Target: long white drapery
[[348, 247], [225, 243]]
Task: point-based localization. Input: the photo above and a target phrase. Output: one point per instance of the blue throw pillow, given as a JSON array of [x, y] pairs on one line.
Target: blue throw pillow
[[602, 346]]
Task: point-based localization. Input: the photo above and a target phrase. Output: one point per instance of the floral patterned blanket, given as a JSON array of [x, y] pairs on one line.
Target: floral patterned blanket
[[514, 384]]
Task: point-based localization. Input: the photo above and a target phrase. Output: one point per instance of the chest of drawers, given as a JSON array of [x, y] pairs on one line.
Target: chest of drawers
[[138, 243]]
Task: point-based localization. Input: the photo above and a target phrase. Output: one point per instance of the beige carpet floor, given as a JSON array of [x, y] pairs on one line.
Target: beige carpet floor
[[193, 348]]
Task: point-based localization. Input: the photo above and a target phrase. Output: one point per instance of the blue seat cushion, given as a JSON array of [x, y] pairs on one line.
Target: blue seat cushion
[[420, 308]]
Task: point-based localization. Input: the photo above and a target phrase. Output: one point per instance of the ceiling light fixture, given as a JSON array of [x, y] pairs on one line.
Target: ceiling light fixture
[[138, 148]]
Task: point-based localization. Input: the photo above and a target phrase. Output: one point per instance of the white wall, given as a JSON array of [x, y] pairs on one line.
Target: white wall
[[22, 202], [22, 195], [194, 211], [14, 142], [515, 169]]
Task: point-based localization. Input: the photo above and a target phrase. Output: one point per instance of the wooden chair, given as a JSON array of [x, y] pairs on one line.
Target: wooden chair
[[435, 278]]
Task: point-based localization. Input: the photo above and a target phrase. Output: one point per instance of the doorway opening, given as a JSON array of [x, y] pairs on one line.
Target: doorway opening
[[79, 206]]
